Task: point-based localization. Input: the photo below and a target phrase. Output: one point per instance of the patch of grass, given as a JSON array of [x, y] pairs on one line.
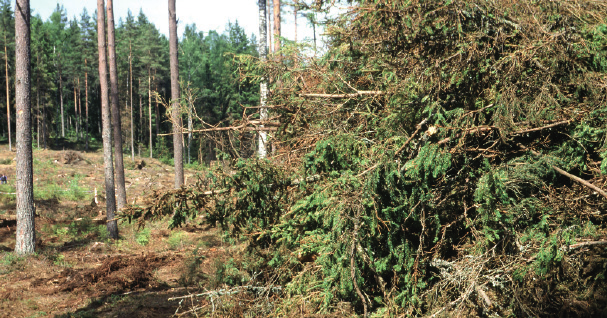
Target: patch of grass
[[59, 260], [9, 262], [143, 237], [176, 240], [7, 198], [195, 166], [75, 191], [6, 161]]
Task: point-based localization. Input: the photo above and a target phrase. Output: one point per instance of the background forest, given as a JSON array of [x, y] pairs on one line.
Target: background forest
[[65, 82]]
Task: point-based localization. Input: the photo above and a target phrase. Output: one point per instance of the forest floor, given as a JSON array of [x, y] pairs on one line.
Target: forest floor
[[77, 271]]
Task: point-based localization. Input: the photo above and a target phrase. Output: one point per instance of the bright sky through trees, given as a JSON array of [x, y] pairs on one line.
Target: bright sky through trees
[[208, 15]]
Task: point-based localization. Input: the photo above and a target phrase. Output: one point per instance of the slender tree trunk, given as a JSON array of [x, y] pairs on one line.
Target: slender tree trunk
[[156, 108], [269, 34], [295, 19], [141, 130], [79, 108], [86, 107], [131, 93], [61, 105], [175, 111], [276, 26], [8, 103], [116, 118], [190, 108], [150, 106], [76, 110], [263, 85], [38, 111], [26, 234], [112, 225]]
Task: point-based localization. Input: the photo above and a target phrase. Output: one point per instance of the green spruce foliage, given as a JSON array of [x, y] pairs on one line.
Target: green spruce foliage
[[439, 161]]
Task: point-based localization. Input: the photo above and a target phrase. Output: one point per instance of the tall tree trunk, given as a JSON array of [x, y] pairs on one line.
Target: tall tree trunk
[[276, 26], [76, 110], [61, 104], [26, 234], [112, 225], [38, 111], [263, 85], [116, 118], [269, 34], [190, 110], [131, 93], [141, 130], [8, 103], [86, 107], [175, 111], [79, 108], [150, 106], [156, 108], [295, 19]]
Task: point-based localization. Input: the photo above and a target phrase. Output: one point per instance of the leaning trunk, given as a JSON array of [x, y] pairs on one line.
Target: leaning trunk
[[112, 225]]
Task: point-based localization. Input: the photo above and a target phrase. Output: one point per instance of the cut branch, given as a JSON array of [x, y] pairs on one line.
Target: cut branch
[[569, 175], [351, 95]]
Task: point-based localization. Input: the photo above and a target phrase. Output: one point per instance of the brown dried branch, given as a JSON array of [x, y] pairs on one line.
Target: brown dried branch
[[352, 95], [569, 175]]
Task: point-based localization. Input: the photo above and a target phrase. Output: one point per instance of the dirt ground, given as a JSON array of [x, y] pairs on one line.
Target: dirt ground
[[77, 271]]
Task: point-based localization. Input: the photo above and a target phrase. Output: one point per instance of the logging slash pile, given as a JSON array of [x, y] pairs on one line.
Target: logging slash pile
[[443, 158]]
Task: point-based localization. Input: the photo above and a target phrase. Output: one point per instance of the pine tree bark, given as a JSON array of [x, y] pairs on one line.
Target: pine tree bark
[[79, 109], [112, 225], [38, 111], [86, 107], [175, 111], [61, 104], [8, 102], [276, 26], [76, 110], [131, 93], [116, 118], [26, 234], [150, 106], [263, 85]]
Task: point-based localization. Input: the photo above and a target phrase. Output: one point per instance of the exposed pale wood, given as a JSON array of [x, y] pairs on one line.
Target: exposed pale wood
[[351, 95]]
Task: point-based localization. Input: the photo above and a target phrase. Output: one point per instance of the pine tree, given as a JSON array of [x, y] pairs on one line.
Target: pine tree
[[26, 234]]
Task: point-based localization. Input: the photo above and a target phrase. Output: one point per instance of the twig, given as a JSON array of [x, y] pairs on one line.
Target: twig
[[569, 175], [419, 127], [353, 269], [352, 95]]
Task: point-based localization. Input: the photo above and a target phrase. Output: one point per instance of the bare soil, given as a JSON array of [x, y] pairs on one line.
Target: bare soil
[[77, 272]]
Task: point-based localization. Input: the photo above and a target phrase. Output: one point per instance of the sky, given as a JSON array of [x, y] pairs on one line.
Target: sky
[[208, 15]]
